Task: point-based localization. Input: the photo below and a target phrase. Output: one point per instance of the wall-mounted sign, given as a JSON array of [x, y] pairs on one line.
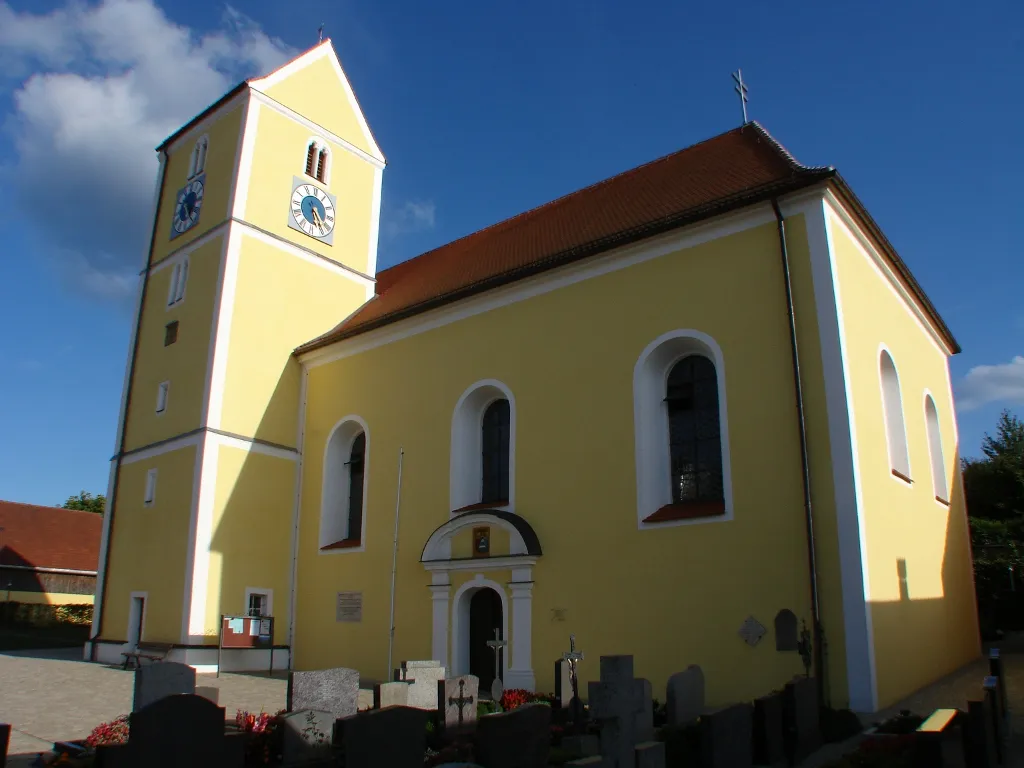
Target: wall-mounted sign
[[350, 606]]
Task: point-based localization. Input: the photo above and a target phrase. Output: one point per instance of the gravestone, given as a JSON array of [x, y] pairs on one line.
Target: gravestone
[[5, 742], [209, 692], [456, 701], [979, 736], [801, 731], [520, 738], [395, 737], [645, 720], [786, 631], [155, 681], [390, 695], [422, 677], [684, 698], [563, 683], [616, 702], [999, 726], [306, 736], [650, 754], [995, 667], [767, 731], [155, 737], [726, 737], [327, 690]]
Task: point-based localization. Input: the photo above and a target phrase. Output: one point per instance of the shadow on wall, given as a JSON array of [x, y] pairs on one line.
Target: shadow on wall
[[13, 577], [920, 639]]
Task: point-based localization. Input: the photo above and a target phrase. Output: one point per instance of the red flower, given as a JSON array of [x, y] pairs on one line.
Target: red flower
[[114, 732]]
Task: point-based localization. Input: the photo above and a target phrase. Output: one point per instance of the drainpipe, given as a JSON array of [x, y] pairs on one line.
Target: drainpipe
[[812, 564], [112, 501]]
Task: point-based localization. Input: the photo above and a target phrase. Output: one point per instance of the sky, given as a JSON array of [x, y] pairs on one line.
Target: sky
[[485, 110]]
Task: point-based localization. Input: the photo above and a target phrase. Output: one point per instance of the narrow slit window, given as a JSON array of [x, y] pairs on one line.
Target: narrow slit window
[[356, 464], [150, 495], [495, 454], [321, 166], [694, 433], [895, 427], [311, 158], [931, 417], [172, 290], [161, 396], [170, 333]]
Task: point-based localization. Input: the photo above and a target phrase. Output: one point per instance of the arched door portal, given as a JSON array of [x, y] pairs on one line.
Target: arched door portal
[[484, 618]]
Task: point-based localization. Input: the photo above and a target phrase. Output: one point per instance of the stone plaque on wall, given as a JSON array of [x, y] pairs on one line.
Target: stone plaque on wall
[[350, 606]]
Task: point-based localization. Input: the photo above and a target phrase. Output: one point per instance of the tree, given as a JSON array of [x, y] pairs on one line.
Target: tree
[[994, 485], [86, 502]]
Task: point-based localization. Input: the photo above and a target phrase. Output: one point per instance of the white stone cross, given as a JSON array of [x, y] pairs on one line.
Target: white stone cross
[[615, 702], [497, 689]]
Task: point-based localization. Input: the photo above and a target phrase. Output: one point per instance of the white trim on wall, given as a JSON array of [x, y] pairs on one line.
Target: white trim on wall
[[460, 624], [220, 335], [202, 445], [465, 466], [650, 423], [371, 258], [268, 593], [853, 559], [101, 575], [528, 288], [244, 149], [200, 537], [300, 470], [334, 493], [204, 125], [324, 263]]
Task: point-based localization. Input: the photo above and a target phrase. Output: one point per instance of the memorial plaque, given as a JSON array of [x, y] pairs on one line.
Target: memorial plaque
[[350, 606], [752, 631]]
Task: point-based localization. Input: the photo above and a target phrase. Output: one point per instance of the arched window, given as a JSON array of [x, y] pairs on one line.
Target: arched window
[[695, 445], [495, 453], [321, 166], [343, 509], [895, 429], [197, 163], [931, 420], [311, 158], [681, 439]]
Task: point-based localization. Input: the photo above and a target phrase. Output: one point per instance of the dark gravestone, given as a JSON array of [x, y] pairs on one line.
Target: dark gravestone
[[979, 737], [179, 731], [155, 681], [786, 631], [5, 741], [995, 667], [395, 737], [306, 737], [767, 731], [800, 718], [563, 683], [517, 739], [616, 702], [327, 690], [726, 737], [684, 696], [938, 741], [999, 726]]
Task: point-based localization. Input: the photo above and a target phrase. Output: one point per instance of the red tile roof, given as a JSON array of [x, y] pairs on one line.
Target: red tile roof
[[49, 537], [729, 171]]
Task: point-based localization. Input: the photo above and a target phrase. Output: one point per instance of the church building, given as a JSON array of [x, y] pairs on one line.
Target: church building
[[699, 413]]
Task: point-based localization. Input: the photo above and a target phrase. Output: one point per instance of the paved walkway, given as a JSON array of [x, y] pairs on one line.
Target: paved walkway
[[53, 695]]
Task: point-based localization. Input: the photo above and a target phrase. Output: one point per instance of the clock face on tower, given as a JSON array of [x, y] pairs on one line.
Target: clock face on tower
[[187, 206], [312, 211]]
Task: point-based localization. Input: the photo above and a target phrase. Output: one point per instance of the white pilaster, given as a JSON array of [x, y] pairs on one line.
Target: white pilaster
[[440, 596], [520, 674]]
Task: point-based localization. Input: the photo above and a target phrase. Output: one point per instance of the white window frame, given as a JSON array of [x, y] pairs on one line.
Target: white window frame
[[197, 161], [267, 593], [650, 424], [162, 394], [465, 480], [133, 614], [894, 417], [334, 495], [149, 499], [179, 279], [933, 427], [321, 144]]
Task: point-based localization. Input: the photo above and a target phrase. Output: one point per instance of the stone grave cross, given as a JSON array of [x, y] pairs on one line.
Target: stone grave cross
[[497, 689], [615, 702], [462, 699]]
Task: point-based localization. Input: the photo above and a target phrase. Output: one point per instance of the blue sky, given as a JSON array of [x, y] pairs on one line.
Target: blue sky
[[485, 110]]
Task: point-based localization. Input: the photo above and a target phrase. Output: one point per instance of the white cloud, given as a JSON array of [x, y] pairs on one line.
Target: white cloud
[[106, 83], [985, 384], [414, 216]]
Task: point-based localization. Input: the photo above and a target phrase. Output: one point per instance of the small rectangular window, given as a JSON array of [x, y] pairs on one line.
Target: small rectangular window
[[161, 396], [171, 333], [257, 604], [150, 488]]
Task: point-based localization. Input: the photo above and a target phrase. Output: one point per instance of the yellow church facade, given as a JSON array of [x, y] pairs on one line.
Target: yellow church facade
[[653, 414]]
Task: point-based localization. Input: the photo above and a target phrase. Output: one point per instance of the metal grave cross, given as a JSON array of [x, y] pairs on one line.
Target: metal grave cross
[[741, 89], [462, 700], [497, 689], [573, 657]]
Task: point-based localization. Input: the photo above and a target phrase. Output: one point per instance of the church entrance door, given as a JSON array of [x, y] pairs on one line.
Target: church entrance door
[[484, 617]]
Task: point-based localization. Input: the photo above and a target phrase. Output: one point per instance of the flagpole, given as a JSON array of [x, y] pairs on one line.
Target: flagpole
[[394, 559]]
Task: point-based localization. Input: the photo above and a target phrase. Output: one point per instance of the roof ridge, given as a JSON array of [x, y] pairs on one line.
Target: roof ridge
[[512, 220], [785, 154], [44, 506]]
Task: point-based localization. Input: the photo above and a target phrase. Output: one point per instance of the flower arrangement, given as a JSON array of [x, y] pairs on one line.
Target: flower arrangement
[[114, 732], [517, 697], [264, 744]]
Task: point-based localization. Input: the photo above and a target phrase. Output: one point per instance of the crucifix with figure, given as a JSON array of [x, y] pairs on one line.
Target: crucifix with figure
[[497, 689], [573, 657]]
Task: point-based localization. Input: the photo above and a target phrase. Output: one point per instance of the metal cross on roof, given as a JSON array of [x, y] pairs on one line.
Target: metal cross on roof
[[741, 89], [320, 32]]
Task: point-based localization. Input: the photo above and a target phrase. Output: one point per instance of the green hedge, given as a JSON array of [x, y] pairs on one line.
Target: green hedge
[[43, 615]]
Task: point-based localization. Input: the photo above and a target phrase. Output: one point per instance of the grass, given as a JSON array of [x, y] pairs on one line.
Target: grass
[[20, 637]]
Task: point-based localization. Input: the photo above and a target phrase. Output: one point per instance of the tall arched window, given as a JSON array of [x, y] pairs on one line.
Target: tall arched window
[[895, 429], [343, 502], [495, 453], [931, 420], [694, 432]]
